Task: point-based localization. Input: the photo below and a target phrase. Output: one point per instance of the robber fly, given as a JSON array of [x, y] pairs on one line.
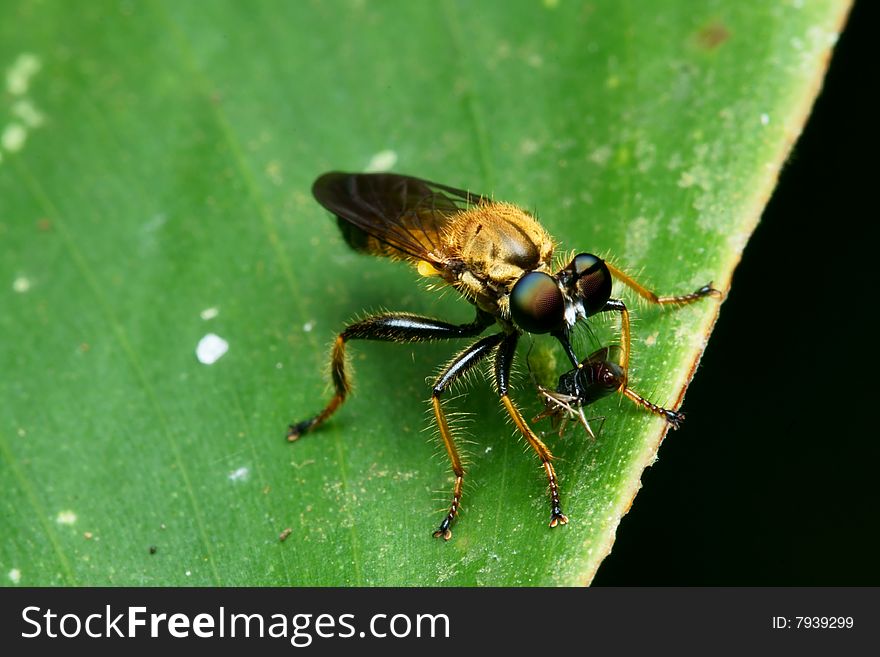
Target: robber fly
[[499, 258]]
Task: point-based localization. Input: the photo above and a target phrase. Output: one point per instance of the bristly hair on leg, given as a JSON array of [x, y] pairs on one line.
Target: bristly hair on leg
[[459, 423]]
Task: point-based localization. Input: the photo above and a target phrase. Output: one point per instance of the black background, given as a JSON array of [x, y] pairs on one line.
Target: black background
[[772, 479]]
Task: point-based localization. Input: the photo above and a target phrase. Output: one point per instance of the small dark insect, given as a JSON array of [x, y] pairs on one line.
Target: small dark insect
[[596, 376], [500, 259]]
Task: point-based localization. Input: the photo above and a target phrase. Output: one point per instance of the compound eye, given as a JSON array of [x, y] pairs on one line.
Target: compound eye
[[584, 261], [536, 303], [611, 376], [593, 282]]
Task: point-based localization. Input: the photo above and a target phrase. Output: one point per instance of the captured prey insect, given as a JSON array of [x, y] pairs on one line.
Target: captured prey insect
[[596, 376], [499, 258]]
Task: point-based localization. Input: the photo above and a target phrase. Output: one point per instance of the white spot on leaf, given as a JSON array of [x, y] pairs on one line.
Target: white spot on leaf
[[18, 76], [21, 284], [535, 60], [239, 475], [13, 137], [211, 349], [209, 313], [274, 172], [30, 115], [601, 155], [382, 161], [66, 517], [528, 146]]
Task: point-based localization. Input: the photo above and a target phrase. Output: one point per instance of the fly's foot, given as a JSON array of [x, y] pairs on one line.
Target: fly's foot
[[674, 418], [557, 517], [708, 291], [295, 431], [443, 530]]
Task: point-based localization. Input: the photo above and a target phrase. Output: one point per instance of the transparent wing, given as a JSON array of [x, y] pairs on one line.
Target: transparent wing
[[405, 216]]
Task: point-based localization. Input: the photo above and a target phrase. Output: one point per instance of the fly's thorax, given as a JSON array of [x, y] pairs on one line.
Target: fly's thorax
[[497, 243]]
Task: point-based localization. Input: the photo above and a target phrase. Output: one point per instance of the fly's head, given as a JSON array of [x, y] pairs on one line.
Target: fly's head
[[553, 303], [586, 285]]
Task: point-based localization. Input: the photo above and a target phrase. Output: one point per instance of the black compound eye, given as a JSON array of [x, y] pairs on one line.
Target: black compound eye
[[593, 281], [584, 261], [536, 303], [612, 376]]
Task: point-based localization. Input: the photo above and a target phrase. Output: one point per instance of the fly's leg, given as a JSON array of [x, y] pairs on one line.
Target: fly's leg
[[675, 418], [653, 297], [503, 361], [616, 305], [460, 365], [387, 327]]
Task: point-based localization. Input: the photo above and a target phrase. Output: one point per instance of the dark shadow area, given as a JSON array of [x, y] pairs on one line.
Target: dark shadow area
[[772, 480]]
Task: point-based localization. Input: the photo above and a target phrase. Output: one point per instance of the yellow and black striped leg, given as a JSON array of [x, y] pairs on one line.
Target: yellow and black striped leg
[[460, 365], [615, 305], [503, 361], [387, 327], [675, 418], [653, 297], [618, 306]]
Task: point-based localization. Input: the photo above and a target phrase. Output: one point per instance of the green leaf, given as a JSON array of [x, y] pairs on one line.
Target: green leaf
[[156, 165]]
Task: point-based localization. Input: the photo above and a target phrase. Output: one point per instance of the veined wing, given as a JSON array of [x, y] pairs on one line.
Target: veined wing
[[392, 215]]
